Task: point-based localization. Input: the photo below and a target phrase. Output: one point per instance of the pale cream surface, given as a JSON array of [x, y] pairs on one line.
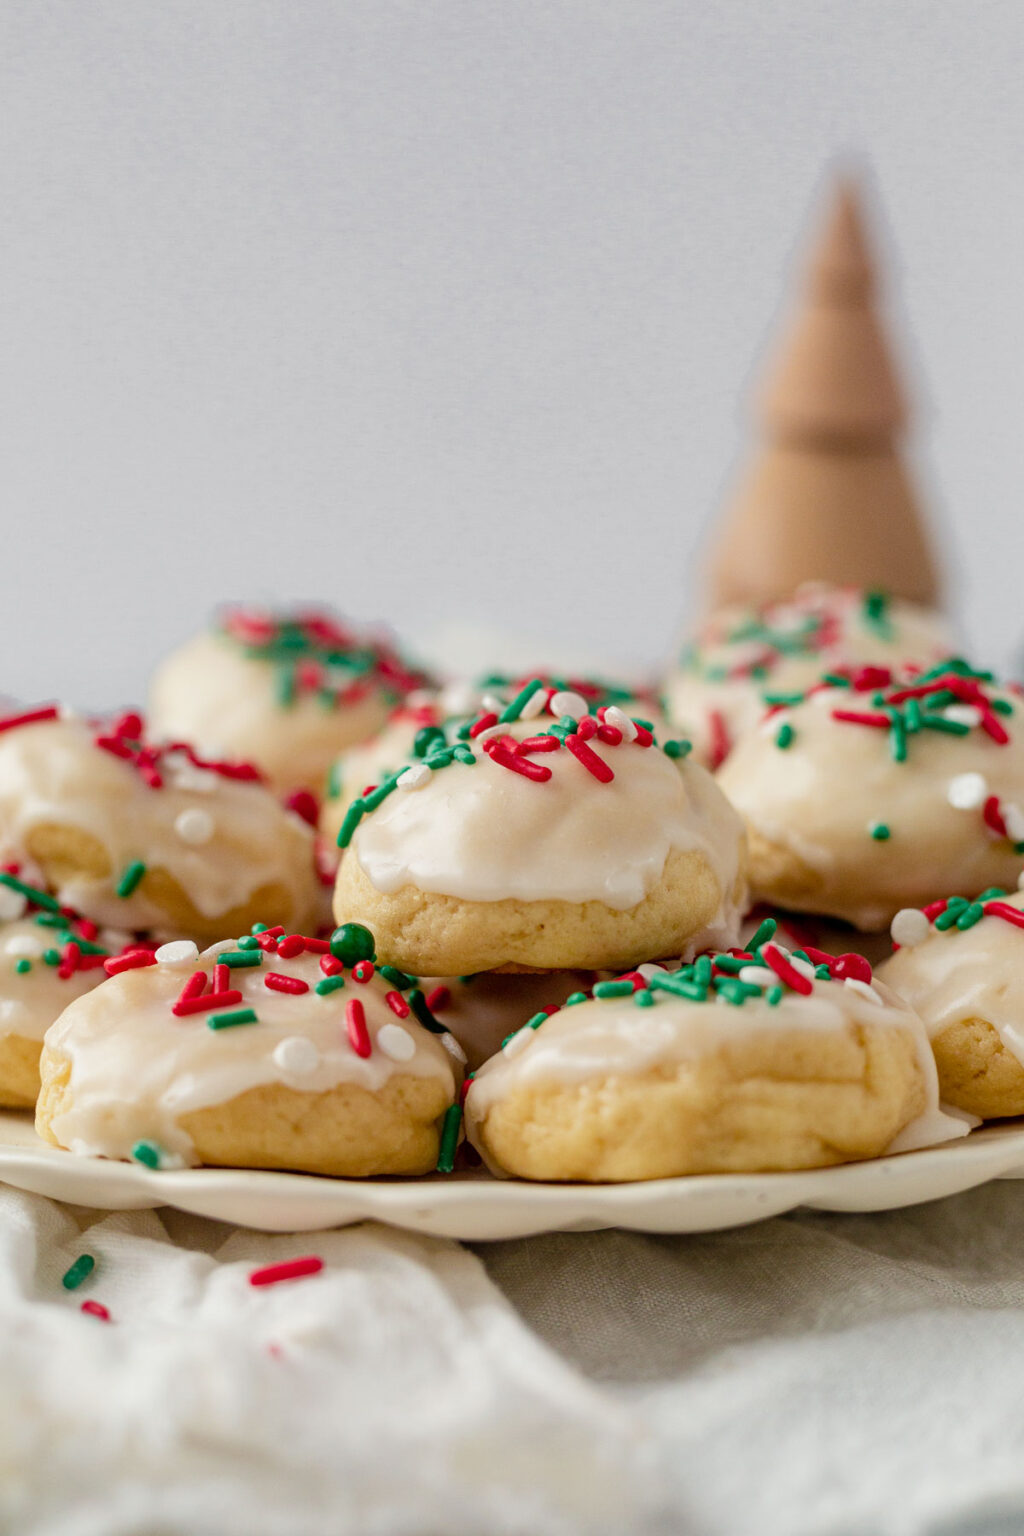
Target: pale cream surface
[[609, 1038], [916, 635], [977, 974], [484, 833], [818, 798], [136, 1068], [224, 702], [31, 1000], [53, 774]]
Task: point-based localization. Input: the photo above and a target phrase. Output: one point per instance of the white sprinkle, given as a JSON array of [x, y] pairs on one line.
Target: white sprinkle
[[617, 717], [194, 826], [534, 705], [909, 928], [12, 904], [215, 949], [568, 704], [803, 966], [758, 975], [20, 944], [967, 791], [517, 1042], [453, 1048], [459, 699], [1013, 817], [414, 777], [865, 989], [492, 705], [648, 969], [396, 1042], [773, 722], [178, 949], [296, 1055], [963, 714], [491, 730]]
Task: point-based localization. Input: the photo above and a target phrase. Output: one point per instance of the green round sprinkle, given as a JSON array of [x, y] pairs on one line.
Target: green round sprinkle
[[22, 967], [248, 941], [328, 985], [575, 997], [449, 1138], [680, 748], [51, 956], [259, 928], [80, 1270], [773, 997], [644, 998], [428, 736], [879, 831], [537, 1020], [231, 1018], [351, 943], [147, 1152], [130, 878]]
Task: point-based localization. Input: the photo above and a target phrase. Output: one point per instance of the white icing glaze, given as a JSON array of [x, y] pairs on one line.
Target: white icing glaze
[[31, 1000], [691, 695], [978, 974], [136, 1068], [211, 693], [52, 774], [608, 1038], [484, 833], [818, 797]]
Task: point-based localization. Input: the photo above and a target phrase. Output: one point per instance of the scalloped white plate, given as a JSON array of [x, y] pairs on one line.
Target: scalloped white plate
[[475, 1207]]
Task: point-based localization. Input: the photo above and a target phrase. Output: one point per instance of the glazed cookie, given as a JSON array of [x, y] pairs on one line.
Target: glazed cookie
[[48, 957], [716, 691], [883, 792], [285, 691], [739, 1063], [547, 839], [149, 838], [265, 1052], [960, 964]]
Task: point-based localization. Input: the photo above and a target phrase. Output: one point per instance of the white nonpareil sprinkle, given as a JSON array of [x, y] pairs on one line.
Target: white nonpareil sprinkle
[[617, 717], [178, 949], [1013, 819], [296, 1055], [963, 714], [534, 705], [517, 1042], [414, 777], [12, 904], [568, 704], [396, 1042], [909, 928], [453, 1048], [20, 945], [759, 975], [967, 791], [865, 989], [194, 826]]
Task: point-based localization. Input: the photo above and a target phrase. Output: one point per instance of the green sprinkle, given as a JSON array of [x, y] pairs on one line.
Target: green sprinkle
[[334, 780], [514, 710], [22, 967], [994, 893], [765, 932], [147, 1152], [377, 796], [970, 915], [418, 1003], [822, 973], [778, 699], [351, 819], [735, 992], [784, 736], [668, 983], [399, 979], [463, 754], [248, 941], [40, 898], [80, 1270], [773, 997], [352, 942], [537, 1020], [879, 831], [449, 1138], [51, 920], [51, 956], [130, 878], [954, 907], [236, 958], [897, 736], [428, 736], [259, 928], [940, 723], [731, 964], [678, 748], [328, 985], [232, 1018], [702, 970], [1002, 706], [575, 997], [834, 680], [644, 998], [284, 686], [613, 989]]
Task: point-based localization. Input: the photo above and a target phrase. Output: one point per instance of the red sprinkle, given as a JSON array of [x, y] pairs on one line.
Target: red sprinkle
[[134, 960], [304, 804], [993, 816], [316, 946], [643, 737], [538, 744], [438, 998], [194, 987], [610, 735], [932, 910], [87, 928], [355, 1023], [96, 1309], [291, 1269], [484, 723], [588, 757], [331, 965], [851, 967], [786, 972], [291, 946], [522, 765], [267, 942], [860, 717], [1003, 909], [70, 961], [221, 977], [182, 1009], [586, 727], [720, 744], [278, 983], [397, 1003], [992, 725], [362, 970], [29, 717]]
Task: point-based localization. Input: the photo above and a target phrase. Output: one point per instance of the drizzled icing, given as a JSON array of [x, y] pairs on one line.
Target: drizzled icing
[[966, 972], [31, 998], [611, 1036], [137, 1068], [823, 792], [740, 653], [288, 692], [478, 831], [53, 774]]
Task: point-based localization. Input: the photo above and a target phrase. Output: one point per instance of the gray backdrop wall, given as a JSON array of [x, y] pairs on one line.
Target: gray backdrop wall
[[441, 309]]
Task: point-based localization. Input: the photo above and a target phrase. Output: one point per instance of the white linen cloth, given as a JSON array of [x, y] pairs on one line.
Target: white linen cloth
[[814, 1374]]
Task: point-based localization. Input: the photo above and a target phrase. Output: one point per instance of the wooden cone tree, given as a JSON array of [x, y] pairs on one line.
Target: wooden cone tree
[[827, 497]]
